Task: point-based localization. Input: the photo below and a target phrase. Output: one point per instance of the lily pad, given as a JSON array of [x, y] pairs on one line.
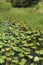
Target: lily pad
[[30, 57], [36, 59], [21, 55], [1, 46], [1, 61], [40, 39], [15, 61], [33, 64], [3, 57], [23, 61], [40, 58]]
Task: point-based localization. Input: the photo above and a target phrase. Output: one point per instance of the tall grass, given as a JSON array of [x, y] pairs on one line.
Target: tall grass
[[30, 16]]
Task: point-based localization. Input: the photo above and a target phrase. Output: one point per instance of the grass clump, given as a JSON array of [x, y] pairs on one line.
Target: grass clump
[[5, 6]]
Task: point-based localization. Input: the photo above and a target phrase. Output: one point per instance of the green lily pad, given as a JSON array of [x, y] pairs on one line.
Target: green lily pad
[[15, 61], [21, 55], [24, 42], [29, 39], [6, 45], [15, 48], [3, 57], [1, 43], [29, 44], [2, 50], [7, 49], [33, 37], [26, 53], [36, 59], [1, 61], [41, 32], [34, 47], [30, 57], [28, 32], [33, 64], [38, 43], [40, 58], [39, 51], [40, 39], [38, 34], [9, 59], [1, 46], [23, 61], [9, 53]]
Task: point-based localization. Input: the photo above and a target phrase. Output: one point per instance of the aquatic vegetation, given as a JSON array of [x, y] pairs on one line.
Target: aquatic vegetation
[[19, 44]]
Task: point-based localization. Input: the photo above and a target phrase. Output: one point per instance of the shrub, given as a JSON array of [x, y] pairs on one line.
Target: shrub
[[4, 5], [23, 3], [19, 3]]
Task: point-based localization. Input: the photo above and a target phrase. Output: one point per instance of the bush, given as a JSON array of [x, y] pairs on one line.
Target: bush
[[19, 3], [23, 3], [4, 5]]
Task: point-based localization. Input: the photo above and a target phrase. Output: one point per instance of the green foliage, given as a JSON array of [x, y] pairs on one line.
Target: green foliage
[[19, 3], [20, 42], [5, 6], [18, 46], [23, 3]]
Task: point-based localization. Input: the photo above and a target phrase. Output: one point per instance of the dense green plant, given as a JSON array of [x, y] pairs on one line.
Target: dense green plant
[[19, 3], [4, 5], [22, 3], [19, 45]]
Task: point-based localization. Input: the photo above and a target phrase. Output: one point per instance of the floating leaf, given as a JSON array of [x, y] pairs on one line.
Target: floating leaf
[[9, 59], [1, 61], [26, 53], [40, 39], [2, 50], [39, 51], [3, 57], [41, 58], [1, 46], [28, 32], [21, 55], [33, 64], [15, 61], [30, 57], [23, 61], [38, 43], [36, 58], [7, 49]]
